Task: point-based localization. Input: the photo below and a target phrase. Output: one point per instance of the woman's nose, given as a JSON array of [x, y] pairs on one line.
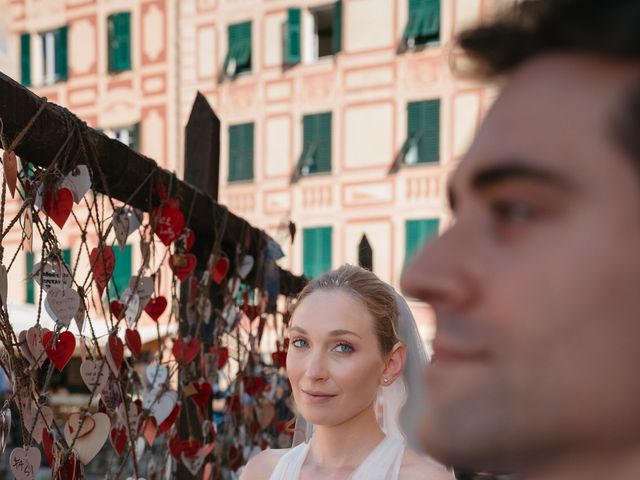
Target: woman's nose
[[316, 368]]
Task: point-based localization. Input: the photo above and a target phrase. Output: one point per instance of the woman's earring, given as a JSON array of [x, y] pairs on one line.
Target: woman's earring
[[385, 380]]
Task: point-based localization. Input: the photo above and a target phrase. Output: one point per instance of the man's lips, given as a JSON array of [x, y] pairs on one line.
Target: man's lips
[[451, 353]]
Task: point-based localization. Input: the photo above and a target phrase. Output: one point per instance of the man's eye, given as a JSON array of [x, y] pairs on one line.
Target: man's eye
[[343, 348], [513, 212], [299, 343]]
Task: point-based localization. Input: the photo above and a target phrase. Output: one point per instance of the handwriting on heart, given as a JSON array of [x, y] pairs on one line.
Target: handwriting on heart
[[62, 304], [25, 463], [52, 273], [168, 222], [95, 374]]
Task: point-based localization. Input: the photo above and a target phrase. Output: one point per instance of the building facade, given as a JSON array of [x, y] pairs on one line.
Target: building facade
[[340, 116]]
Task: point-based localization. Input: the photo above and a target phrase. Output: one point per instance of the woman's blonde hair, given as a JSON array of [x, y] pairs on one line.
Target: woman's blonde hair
[[378, 298]]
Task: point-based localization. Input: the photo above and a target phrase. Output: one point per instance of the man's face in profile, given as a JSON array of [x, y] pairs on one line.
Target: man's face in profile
[[536, 286]]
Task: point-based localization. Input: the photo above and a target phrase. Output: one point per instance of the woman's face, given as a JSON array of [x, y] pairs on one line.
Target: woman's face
[[334, 361]]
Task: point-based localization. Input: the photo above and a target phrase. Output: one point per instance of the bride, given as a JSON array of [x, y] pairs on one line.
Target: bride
[[355, 364]]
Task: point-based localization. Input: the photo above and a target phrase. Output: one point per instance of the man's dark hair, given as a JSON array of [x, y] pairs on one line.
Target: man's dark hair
[[607, 28], [610, 28]]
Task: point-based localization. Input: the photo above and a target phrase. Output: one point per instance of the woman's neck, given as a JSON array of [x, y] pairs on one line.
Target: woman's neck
[[345, 445]]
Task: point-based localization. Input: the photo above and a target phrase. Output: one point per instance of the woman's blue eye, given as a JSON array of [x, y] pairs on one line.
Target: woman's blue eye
[[299, 343], [344, 348]]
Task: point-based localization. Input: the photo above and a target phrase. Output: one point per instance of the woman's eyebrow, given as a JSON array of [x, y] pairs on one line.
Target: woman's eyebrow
[[337, 333], [332, 333]]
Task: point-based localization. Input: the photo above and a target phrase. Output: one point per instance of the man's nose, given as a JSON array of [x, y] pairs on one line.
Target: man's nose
[[439, 274]]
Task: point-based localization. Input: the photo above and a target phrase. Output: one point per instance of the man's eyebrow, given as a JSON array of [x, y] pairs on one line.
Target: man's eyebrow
[[493, 175], [496, 174]]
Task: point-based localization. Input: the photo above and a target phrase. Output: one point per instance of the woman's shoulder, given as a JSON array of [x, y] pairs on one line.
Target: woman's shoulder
[[262, 465], [416, 466]]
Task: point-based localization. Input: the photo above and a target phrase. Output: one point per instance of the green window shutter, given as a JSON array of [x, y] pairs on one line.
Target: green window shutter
[[293, 54], [119, 26], [423, 122], [31, 284], [317, 243], [424, 21], [66, 256], [122, 271], [61, 46], [337, 27], [241, 152], [316, 130], [417, 232], [239, 40], [25, 59]]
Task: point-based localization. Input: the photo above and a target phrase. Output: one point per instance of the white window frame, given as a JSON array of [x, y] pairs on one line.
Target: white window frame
[[44, 58], [122, 134], [310, 38]]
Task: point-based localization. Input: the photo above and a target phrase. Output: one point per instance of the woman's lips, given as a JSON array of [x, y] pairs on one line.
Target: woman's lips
[[317, 397]]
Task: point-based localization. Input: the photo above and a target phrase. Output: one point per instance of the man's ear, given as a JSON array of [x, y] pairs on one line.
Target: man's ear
[[394, 364]]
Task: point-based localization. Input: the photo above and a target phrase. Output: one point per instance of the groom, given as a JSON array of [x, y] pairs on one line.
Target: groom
[[536, 286]]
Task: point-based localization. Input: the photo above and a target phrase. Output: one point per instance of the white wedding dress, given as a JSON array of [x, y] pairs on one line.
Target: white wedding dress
[[383, 463]]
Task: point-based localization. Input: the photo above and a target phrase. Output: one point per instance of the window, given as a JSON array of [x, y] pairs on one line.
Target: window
[[316, 152], [238, 58], [119, 42], [320, 34], [31, 283], [130, 136], [316, 251], [49, 57], [241, 152], [423, 133], [121, 272], [423, 26], [417, 232], [25, 59]]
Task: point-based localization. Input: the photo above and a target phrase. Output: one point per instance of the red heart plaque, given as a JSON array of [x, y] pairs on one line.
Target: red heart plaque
[[103, 261], [222, 354], [182, 264], [119, 439], [134, 342], [118, 309], [116, 349], [60, 350], [168, 222], [57, 205], [185, 351], [219, 269], [203, 396], [156, 307]]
